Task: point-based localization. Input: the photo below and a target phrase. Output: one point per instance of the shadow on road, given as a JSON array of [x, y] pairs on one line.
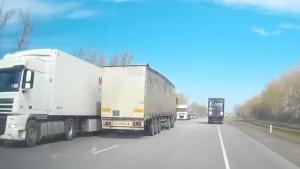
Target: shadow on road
[[20, 144], [122, 134], [58, 139], [201, 122]]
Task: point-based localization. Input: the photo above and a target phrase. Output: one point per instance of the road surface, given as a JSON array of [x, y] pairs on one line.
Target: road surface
[[190, 145]]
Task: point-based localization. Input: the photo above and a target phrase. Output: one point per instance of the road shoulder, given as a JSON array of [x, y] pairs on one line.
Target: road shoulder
[[287, 149]]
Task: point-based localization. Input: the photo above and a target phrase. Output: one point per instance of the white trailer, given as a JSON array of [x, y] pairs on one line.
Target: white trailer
[[46, 92], [137, 97]]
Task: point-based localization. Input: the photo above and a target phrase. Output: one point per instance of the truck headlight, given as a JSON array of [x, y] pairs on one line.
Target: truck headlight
[[210, 113], [13, 125], [221, 113]]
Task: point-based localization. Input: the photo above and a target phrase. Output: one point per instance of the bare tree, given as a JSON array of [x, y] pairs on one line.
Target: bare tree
[[115, 60], [91, 56], [121, 59], [182, 99], [126, 58], [5, 16], [198, 109], [26, 28]]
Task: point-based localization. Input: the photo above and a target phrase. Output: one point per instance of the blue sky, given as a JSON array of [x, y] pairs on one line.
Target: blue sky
[[207, 48]]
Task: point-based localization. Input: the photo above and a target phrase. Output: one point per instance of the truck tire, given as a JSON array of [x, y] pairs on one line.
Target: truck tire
[[32, 133], [149, 130], [159, 127], [168, 124], [172, 122], [69, 129], [155, 127]]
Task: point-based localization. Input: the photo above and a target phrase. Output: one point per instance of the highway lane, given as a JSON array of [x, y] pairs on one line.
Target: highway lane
[[191, 144]]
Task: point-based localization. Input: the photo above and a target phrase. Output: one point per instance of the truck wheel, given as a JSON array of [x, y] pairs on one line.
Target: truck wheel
[[32, 133], [168, 125], [149, 129], [159, 126], [155, 127], [69, 129], [172, 122]]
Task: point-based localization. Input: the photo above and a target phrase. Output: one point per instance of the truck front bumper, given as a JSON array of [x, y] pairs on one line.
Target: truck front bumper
[[14, 128]]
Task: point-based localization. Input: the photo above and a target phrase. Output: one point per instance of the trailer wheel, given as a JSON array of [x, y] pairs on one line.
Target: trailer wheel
[[168, 125], [159, 126], [69, 129], [172, 122], [32, 133], [155, 127], [150, 128]]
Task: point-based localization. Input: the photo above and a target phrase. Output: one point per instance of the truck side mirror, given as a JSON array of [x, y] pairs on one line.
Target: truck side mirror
[[28, 79]]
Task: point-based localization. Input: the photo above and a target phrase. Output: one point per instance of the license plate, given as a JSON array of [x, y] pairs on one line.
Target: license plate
[[122, 123]]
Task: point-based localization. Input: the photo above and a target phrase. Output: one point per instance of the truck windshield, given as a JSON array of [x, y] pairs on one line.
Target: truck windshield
[[181, 109], [10, 79]]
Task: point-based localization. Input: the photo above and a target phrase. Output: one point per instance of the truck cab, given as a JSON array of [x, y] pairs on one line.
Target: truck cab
[[18, 98], [183, 112], [216, 110]]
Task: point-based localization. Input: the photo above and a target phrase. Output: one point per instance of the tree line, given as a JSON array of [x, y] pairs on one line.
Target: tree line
[[196, 108], [279, 102]]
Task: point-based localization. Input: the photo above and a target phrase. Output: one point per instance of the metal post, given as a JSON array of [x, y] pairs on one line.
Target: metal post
[[271, 129]]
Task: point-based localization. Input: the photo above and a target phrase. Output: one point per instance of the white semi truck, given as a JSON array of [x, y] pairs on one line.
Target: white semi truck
[[47, 92], [137, 97], [183, 112]]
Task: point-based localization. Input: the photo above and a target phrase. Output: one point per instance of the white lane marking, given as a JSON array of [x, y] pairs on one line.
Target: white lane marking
[[223, 150], [100, 151]]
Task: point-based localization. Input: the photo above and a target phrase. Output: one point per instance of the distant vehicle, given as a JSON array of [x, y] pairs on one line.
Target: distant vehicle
[[47, 92], [136, 97], [193, 116], [183, 112], [216, 110]]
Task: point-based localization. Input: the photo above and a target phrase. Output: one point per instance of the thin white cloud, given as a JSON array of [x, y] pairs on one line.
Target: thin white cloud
[[289, 26], [290, 6], [260, 31], [39, 8], [278, 30], [80, 14], [264, 32], [44, 9]]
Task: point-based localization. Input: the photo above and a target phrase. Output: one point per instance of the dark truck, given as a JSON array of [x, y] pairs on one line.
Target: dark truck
[[216, 110]]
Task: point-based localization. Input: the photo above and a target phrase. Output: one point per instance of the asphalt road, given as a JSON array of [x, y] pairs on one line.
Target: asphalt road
[[190, 145]]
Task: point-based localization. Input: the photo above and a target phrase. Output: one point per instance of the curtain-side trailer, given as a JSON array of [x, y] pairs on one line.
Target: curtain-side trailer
[[136, 97]]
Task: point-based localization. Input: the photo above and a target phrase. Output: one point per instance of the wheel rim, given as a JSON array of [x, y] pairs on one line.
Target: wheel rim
[[70, 130], [32, 134]]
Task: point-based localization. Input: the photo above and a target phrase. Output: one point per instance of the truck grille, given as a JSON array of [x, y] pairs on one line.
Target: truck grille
[[6, 105], [3, 119]]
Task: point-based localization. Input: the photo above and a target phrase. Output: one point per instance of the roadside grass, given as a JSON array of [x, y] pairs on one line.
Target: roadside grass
[[292, 135]]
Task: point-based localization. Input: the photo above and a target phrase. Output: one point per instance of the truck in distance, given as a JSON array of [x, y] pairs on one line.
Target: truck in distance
[[47, 92], [216, 110], [183, 112], [136, 97]]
